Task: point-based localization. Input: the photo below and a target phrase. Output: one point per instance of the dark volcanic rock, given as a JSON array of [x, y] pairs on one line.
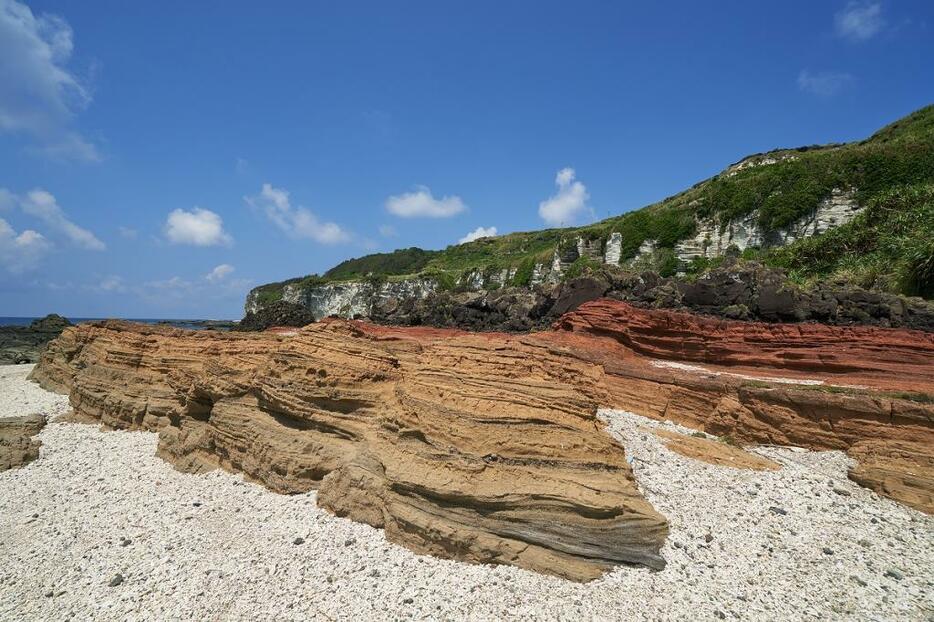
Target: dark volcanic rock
[[279, 313], [738, 291], [24, 344]]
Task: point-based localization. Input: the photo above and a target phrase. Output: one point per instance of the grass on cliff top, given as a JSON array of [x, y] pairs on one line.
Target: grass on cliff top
[[889, 246], [898, 155]]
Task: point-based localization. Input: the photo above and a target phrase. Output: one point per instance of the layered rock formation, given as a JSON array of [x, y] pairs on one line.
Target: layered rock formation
[[486, 447], [17, 443], [714, 452], [867, 391], [481, 448], [22, 344]]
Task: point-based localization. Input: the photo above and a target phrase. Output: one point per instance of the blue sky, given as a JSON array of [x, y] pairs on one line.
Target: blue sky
[[159, 159]]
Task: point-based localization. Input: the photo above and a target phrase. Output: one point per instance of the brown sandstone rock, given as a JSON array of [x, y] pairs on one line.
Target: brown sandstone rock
[[714, 452], [486, 447], [901, 470], [17, 445], [478, 447]]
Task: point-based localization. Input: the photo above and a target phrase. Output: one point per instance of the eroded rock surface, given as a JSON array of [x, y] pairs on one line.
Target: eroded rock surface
[[18, 446], [756, 385], [486, 447], [714, 452], [481, 448]]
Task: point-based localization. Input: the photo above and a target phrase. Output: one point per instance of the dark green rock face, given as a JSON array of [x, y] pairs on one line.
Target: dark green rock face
[[23, 344]]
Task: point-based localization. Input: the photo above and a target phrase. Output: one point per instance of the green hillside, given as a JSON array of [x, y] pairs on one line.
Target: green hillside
[[888, 246]]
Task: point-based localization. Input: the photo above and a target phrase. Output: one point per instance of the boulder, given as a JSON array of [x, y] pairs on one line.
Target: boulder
[[279, 313]]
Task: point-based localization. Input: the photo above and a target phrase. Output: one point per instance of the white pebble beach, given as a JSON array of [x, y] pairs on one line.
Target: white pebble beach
[[800, 543]]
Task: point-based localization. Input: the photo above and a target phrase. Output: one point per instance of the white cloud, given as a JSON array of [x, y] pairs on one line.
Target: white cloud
[[38, 94], [297, 221], [128, 232], [422, 204], [199, 227], [111, 283], [242, 166], [823, 84], [859, 21], [42, 205], [388, 231], [476, 234], [21, 252], [218, 273], [569, 202]]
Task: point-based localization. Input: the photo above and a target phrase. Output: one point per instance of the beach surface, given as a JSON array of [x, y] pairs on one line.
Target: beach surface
[[100, 528]]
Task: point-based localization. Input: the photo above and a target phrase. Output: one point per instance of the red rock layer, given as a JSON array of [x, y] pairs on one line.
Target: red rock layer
[[895, 410]]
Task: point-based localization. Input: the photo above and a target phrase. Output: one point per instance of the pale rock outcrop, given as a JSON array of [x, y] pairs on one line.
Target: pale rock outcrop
[[614, 249], [712, 238], [347, 299]]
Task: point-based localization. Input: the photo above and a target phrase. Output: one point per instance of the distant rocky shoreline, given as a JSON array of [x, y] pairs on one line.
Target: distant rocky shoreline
[[24, 344]]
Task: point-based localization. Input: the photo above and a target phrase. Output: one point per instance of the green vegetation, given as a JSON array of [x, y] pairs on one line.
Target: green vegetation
[[889, 246], [404, 261], [581, 267]]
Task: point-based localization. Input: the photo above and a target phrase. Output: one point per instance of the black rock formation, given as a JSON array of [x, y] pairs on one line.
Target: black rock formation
[[279, 313], [24, 344]]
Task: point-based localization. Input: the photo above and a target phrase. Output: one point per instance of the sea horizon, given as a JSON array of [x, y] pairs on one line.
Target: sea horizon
[[15, 320]]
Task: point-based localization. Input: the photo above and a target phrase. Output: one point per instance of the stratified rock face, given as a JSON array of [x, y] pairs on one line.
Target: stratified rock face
[[873, 401], [714, 452], [480, 448], [801, 347], [17, 443]]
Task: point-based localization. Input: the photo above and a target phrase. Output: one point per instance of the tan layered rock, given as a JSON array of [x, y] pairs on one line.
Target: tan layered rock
[[902, 470], [714, 452], [18, 445], [486, 447], [477, 447]]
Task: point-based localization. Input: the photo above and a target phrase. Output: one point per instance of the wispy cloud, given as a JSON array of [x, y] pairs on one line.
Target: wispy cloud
[[111, 283], [21, 252], [823, 84], [421, 204], [39, 96], [388, 231], [476, 234], [199, 227], [42, 205], [295, 221], [568, 203], [219, 273], [859, 21]]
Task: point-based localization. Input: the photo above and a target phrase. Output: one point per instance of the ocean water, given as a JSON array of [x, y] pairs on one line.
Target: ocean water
[[189, 324]]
